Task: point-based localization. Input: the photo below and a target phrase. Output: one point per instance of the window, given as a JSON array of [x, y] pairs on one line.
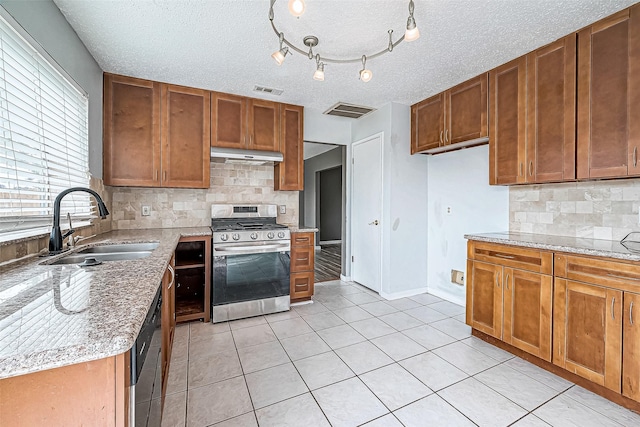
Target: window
[[43, 137]]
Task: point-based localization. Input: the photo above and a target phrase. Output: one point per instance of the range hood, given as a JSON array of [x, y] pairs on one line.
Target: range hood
[[256, 157]]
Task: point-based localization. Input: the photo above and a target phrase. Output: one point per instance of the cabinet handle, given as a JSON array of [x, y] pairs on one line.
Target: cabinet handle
[[173, 276], [446, 139], [497, 283], [531, 168], [631, 313], [156, 175], [250, 140], [505, 256], [622, 277], [520, 174], [507, 281], [613, 314], [165, 176], [635, 156], [441, 142]]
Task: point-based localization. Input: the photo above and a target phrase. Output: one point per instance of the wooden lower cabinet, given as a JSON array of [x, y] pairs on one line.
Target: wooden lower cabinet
[[631, 346], [484, 298], [302, 265], [588, 332]]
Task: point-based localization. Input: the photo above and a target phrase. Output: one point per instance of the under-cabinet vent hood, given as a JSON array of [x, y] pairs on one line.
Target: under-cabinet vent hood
[[255, 157]]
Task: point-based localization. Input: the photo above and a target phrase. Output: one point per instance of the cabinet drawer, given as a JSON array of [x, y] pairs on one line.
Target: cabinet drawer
[[510, 256], [603, 272], [302, 259], [301, 285], [302, 239]]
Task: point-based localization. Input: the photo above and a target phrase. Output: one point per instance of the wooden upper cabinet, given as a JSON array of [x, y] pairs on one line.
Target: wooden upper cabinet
[[551, 94], [428, 131], [289, 174], [131, 131], [609, 97], [507, 143], [587, 335], [228, 121], [631, 346], [185, 137], [264, 122], [466, 111]]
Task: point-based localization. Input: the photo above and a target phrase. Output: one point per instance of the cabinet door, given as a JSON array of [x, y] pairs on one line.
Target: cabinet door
[[587, 331], [608, 96], [466, 111], [631, 347], [428, 131], [168, 322], [131, 132], [302, 259], [551, 99], [507, 98], [228, 121], [185, 137], [289, 174], [527, 312], [485, 298], [264, 125], [301, 285]]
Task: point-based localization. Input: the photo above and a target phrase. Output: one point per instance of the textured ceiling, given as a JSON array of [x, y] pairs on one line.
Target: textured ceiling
[[225, 45]]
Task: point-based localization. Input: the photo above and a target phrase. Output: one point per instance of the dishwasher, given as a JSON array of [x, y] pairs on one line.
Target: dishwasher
[[145, 392]]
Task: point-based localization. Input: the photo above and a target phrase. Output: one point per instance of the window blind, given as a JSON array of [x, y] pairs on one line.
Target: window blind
[[43, 138]]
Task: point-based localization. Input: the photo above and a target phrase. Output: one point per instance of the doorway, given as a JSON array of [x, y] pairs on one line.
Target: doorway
[[366, 212]]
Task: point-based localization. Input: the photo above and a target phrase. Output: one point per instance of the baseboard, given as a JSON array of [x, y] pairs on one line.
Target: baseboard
[[403, 294], [446, 297], [345, 278], [330, 242], [296, 304]]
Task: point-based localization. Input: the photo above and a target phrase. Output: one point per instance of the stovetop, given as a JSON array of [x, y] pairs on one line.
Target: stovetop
[[219, 225], [245, 230]]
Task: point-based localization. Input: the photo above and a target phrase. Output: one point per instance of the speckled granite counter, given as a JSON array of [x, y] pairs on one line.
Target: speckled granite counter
[[58, 315], [302, 229], [594, 247]]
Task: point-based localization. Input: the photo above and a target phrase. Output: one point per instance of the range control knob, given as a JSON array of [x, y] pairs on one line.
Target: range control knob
[[281, 234], [254, 235], [236, 236], [270, 235], [224, 237]]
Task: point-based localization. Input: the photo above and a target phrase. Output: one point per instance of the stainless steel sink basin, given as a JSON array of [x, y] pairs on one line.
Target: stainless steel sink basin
[[99, 254], [124, 247]]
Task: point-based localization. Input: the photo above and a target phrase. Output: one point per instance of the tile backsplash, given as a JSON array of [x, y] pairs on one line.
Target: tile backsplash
[[176, 207], [595, 209]]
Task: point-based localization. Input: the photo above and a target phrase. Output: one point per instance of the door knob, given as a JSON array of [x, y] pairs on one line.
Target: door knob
[[374, 222]]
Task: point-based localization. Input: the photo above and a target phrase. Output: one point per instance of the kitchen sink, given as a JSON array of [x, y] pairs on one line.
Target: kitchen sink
[[99, 254]]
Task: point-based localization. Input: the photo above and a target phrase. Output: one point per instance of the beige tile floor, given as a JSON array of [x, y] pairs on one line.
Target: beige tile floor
[[352, 358]]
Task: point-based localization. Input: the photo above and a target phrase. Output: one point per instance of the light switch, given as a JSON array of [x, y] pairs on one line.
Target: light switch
[[282, 209]]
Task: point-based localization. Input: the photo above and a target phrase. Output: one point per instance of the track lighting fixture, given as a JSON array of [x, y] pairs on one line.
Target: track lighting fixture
[[297, 8]]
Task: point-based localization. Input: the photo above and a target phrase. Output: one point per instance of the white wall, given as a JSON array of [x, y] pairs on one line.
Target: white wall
[[460, 180], [404, 225], [319, 127], [45, 23]]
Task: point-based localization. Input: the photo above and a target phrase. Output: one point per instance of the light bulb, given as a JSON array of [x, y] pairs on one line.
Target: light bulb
[[411, 34], [279, 55], [365, 75], [296, 7]]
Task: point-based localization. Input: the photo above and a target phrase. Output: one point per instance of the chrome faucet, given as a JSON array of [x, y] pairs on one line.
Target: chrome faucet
[[55, 240]]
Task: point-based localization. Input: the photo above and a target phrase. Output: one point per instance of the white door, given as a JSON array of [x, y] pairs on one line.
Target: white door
[[366, 212]]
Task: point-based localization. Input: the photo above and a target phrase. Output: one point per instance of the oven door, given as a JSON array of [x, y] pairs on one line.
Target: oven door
[[249, 272]]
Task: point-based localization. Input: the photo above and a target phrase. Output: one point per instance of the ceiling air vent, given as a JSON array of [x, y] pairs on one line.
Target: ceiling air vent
[[269, 90], [349, 110]]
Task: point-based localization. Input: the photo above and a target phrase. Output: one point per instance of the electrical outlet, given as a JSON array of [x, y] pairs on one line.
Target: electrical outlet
[[282, 209], [457, 277], [146, 210]]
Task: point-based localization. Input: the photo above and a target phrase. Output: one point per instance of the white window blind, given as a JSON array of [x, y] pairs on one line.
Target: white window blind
[[43, 138]]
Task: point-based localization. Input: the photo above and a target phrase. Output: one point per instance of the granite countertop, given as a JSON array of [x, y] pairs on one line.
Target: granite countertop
[[302, 229], [575, 245], [58, 315]]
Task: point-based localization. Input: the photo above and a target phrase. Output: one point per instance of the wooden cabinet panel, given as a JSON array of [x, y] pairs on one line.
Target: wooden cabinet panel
[[521, 258], [428, 132], [264, 125], [168, 321], [631, 347], [527, 312], [507, 98], [185, 137], [466, 111], [228, 121], [289, 174], [588, 332], [605, 272], [551, 94], [131, 132], [486, 298], [301, 239], [302, 259], [301, 285], [608, 95]]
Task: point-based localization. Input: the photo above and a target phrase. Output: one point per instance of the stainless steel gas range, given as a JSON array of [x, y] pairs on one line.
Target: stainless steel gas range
[[251, 260]]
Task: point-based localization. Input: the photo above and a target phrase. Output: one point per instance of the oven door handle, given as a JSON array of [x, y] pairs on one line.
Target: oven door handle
[[250, 249]]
